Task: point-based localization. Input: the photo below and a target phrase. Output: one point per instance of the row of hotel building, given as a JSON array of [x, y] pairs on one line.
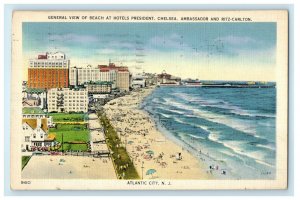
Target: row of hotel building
[[52, 70], [53, 85]]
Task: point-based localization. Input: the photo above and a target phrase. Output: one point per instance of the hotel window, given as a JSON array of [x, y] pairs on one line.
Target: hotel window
[[34, 135]]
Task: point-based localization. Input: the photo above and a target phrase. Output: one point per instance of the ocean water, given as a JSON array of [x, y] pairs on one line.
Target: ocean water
[[231, 128]]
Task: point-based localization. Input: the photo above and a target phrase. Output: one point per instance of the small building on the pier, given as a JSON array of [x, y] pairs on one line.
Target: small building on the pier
[[168, 79]]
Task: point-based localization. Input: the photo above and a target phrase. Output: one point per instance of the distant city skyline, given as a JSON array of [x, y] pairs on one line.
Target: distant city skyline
[[207, 51]]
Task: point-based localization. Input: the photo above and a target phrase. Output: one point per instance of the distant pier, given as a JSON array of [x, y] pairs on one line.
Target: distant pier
[[239, 86], [220, 86]]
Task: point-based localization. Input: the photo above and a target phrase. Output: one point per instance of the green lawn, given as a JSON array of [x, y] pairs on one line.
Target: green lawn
[[66, 117], [71, 133], [69, 127], [75, 147], [124, 159], [25, 160]]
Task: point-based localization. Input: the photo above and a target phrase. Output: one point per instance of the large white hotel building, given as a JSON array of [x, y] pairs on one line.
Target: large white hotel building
[[118, 76], [79, 76], [67, 100]]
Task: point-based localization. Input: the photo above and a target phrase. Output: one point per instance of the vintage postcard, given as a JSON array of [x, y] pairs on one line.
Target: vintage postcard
[[149, 100]]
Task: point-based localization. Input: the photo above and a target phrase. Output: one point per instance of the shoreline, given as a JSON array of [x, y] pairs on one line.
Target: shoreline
[[231, 167], [141, 134], [202, 156]]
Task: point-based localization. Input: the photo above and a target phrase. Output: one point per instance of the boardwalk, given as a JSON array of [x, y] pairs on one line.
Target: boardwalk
[[97, 137]]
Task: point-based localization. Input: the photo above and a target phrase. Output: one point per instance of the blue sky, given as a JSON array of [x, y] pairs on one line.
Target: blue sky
[[196, 50]]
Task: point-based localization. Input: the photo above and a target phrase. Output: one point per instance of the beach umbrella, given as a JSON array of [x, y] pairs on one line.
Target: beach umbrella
[[149, 152], [150, 171]]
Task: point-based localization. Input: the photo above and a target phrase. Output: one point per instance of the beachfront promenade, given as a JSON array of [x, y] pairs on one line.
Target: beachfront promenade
[[97, 137]]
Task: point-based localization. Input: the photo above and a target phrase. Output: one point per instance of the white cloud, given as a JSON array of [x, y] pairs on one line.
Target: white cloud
[[106, 51], [172, 41], [73, 38], [237, 40], [257, 55], [120, 44]]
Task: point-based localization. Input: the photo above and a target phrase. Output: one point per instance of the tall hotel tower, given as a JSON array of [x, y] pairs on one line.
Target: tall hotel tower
[[49, 71]]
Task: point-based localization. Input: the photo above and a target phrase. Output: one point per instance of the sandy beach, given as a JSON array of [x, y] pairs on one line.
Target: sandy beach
[[68, 167], [153, 154]]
